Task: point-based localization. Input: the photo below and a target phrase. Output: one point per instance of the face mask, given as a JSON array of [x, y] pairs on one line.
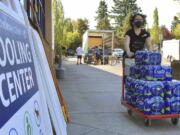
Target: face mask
[[139, 24]]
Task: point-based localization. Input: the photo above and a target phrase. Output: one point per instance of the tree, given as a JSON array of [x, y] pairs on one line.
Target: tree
[[68, 33], [121, 14], [166, 34], [177, 1], [176, 31], [71, 38], [121, 9], [125, 26], [82, 26], [175, 21], [68, 25], [155, 30], [75, 39], [58, 24], [102, 17]]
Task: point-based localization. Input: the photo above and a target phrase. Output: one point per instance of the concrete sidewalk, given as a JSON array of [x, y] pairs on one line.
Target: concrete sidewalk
[[93, 98]]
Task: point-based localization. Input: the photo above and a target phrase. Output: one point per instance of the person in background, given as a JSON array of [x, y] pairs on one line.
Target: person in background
[[56, 59], [79, 55], [97, 52], [136, 37]]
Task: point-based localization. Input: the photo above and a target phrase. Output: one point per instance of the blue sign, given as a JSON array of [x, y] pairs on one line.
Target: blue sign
[[18, 82]]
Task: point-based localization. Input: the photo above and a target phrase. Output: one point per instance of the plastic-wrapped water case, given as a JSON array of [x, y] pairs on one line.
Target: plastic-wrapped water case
[[154, 106], [130, 98], [139, 57], [139, 87], [172, 105], [153, 88], [147, 58], [130, 84], [156, 73], [140, 103], [172, 89], [152, 58], [135, 71], [168, 74]]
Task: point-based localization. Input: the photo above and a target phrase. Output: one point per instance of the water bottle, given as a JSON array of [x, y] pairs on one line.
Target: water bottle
[[139, 87], [154, 106], [172, 105], [146, 58], [168, 73], [172, 89], [135, 71], [139, 57], [140, 103], [149, 73], [153, 88], [155, 58]]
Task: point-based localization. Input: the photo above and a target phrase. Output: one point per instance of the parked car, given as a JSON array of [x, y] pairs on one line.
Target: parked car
[[117, 52], [70, 52]]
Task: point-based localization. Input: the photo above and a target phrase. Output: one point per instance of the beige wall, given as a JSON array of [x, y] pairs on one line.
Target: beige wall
[[49, 27], [49, 22], [94, 42]]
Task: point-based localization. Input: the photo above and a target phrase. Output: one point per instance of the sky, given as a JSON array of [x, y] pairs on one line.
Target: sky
[[87, 9]]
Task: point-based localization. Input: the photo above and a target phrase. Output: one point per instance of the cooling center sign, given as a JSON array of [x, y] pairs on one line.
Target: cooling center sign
[[20, 108]]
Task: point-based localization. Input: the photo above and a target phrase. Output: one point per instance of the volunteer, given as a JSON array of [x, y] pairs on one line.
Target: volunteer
[[137, 36]]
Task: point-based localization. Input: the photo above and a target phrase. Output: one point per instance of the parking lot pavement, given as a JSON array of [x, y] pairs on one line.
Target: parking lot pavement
[[92, 94]]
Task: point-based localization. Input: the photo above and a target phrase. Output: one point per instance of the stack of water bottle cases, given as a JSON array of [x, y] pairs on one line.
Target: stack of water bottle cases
[[150, 87]]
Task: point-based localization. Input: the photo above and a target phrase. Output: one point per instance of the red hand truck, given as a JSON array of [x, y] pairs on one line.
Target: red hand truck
[[147, 118]]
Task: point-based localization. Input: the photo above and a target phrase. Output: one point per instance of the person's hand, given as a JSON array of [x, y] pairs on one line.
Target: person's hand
[[130, 54]]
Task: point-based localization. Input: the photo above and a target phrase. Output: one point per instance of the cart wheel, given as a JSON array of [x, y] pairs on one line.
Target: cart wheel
[[147, 122], [129, 112], [174, 121]]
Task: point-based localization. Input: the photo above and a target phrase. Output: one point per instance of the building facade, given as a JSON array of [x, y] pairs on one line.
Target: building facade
[[44, 13]]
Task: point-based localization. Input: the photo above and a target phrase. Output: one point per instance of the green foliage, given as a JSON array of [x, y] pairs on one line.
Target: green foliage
[[177, 1], [82, 26], [121, 9], [166, 34], [175, 21], [155, 30], [68, 33], [175, 28], [68, 25], [125, 26], [71, 38], [74, 37], [73, 32], [121, 13], [176, 31], [79, 28], [102, 16], [58, 21]]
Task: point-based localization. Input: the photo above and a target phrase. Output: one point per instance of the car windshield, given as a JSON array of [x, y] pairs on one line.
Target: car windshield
[[118, 50]]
